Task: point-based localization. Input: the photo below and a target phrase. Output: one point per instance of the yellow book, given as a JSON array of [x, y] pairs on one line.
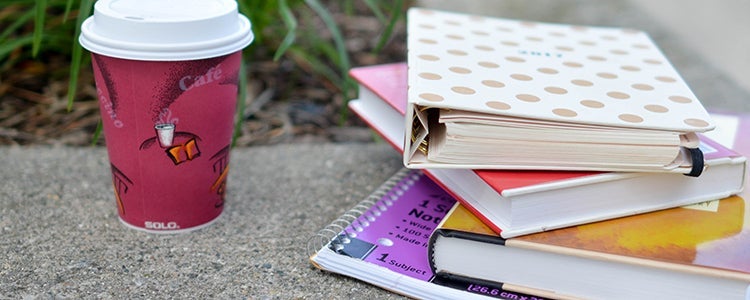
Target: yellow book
[[694, 252]]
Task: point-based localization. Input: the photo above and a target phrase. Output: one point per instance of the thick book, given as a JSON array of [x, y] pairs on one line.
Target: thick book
[[383, 241], [695, 252], [517, 202], [494, 93]]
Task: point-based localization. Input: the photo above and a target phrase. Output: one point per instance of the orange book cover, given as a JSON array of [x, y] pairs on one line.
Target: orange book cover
[[713, 234], [710, 239]]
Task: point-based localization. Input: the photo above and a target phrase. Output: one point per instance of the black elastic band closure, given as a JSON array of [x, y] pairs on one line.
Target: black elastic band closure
[[696, 158]]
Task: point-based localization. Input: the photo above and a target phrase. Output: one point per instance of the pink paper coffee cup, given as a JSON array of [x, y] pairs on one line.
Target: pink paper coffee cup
[[167, 78]]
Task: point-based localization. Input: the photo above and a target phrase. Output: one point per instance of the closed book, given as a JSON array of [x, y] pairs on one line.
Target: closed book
[[495, 93], [694, 252], [383, 240], [517, 202]]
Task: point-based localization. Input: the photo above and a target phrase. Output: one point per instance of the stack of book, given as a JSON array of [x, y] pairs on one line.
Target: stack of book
[[545, 161]]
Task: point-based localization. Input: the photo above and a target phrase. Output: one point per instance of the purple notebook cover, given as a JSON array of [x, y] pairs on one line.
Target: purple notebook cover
[[394, 232]]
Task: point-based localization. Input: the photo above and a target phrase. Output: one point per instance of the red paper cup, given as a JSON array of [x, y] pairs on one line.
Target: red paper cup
[[167, 80]]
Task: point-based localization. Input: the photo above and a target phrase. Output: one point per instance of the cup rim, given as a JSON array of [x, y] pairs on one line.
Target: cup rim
[[94, 42]]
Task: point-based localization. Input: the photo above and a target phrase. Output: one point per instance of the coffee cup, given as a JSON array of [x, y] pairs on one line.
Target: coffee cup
[[166, 74]]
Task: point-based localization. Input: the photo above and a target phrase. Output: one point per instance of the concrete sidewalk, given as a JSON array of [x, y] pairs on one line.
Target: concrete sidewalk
[[61, 238]]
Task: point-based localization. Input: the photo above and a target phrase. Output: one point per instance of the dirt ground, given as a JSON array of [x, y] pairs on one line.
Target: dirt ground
[[287, 100]]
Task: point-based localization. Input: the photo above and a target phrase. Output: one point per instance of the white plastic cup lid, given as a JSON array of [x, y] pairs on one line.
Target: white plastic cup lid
[[165, 30]]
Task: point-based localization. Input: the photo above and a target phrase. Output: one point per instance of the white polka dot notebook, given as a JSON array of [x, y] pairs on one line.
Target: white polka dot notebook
[[493, 93]]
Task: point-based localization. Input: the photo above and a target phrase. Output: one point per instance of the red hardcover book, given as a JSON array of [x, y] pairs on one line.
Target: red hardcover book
[[518, 202]]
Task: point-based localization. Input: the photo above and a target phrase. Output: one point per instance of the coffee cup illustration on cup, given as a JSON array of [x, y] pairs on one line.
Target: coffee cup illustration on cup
[[165, 134]]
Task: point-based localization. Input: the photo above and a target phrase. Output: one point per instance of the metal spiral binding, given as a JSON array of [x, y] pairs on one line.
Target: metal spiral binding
[[332, 233]]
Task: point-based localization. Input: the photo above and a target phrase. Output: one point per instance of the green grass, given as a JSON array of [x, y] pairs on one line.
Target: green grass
[[34, 30]]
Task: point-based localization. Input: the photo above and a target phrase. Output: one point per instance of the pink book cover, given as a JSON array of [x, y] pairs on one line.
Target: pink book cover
[[389, 82]]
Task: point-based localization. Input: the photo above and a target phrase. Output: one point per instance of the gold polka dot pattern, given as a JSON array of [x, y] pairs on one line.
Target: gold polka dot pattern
[[592, 103], [656, 108], [547, 70], [463, 90], [527, 98], [556, 90], [430, 76], [521, 77], [488, 64], [493, 83], [459, 70], [499, 105], [564, 112], [596, 75], [431, 97]]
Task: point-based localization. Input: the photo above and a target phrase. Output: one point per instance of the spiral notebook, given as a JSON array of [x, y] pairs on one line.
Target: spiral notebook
[[495, 93], [383, 241]]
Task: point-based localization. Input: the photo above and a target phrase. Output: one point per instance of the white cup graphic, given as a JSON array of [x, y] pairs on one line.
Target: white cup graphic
[[165, 134]]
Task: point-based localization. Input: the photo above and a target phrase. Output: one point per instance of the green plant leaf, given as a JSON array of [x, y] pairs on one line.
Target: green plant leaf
[[242, 95], [68, 8], [8, 47], [41, 11], [291, 24], [97, 133], [261, 14], [395, 17], [343, 57], [75, 63], [373, 5], [318, 66], [21, 20], [348, 7], [338, 38]]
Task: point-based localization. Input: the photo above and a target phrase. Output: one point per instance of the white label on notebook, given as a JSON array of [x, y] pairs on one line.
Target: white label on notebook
[[712, 206]]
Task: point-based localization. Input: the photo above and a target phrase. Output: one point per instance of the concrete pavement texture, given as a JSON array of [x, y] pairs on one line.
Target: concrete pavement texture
[[61, 238]]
